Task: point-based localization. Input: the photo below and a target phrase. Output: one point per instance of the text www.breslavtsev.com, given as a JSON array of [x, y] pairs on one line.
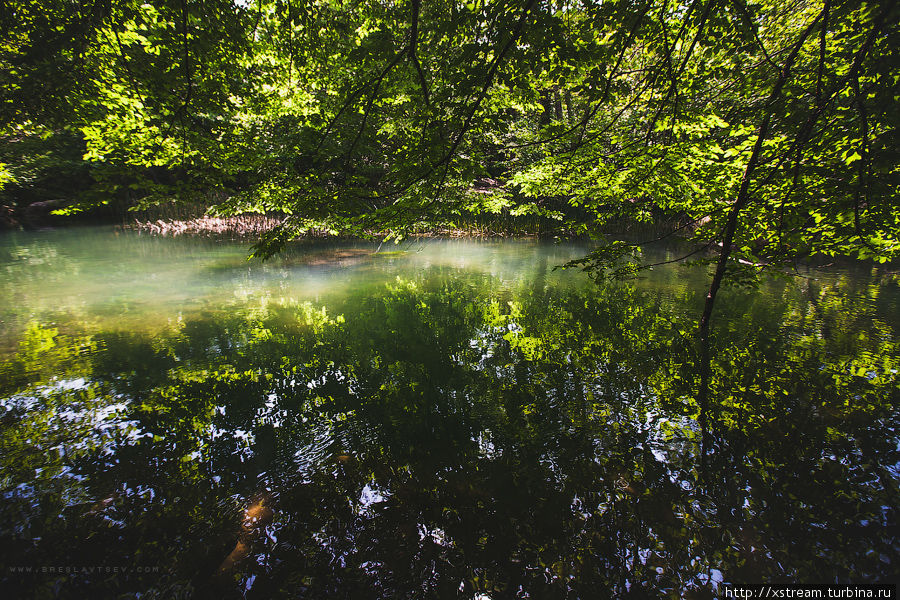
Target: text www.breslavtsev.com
[[81, 570]]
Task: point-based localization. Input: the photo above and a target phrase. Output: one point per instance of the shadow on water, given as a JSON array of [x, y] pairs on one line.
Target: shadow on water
[[443, 436]]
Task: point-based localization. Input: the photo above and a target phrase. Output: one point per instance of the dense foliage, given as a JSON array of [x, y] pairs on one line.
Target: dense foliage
[[767, 127]]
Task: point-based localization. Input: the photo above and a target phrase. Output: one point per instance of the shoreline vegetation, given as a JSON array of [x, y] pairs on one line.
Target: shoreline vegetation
[[199, 219], [186, 218], [176, 220], [251, 226]]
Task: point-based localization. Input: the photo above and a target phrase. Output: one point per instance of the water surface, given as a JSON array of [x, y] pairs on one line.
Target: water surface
[[451, 419]]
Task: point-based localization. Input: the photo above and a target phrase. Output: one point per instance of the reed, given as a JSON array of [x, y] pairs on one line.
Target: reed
[[236, 226]]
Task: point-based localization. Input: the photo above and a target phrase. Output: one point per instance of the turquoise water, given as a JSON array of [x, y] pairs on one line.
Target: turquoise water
[[443, 418]]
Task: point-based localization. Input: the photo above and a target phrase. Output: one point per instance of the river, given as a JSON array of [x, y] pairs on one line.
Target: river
[[442, 418]]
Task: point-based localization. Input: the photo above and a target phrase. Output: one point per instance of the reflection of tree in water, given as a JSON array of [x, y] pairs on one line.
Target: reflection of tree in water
[[438, 441]]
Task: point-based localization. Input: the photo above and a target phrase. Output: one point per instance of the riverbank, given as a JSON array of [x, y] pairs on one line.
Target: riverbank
[[253, 226], [237, 226]]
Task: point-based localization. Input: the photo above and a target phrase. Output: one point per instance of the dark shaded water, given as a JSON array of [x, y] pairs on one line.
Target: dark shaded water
[[453, 420]]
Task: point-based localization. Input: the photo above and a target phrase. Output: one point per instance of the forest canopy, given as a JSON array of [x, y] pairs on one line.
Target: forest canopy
[[767, 128]]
